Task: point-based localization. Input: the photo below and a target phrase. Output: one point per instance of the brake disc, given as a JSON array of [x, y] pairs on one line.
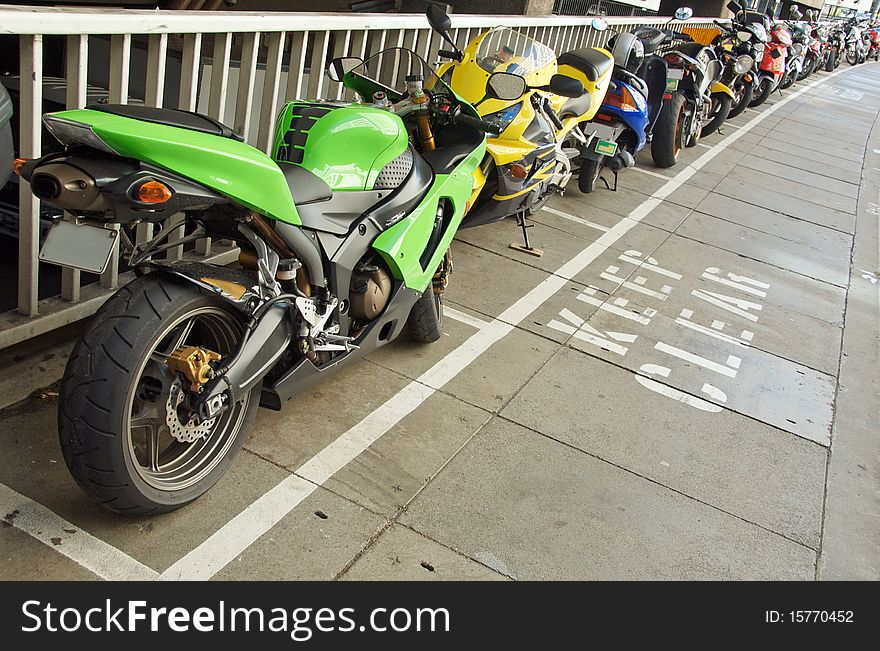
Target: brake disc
[[183, 432]]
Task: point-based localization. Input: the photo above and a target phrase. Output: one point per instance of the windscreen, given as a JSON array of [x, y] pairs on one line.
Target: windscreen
[[506, 50]]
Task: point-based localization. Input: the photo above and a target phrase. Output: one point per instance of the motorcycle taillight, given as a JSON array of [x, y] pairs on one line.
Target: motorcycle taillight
[[673, 59]]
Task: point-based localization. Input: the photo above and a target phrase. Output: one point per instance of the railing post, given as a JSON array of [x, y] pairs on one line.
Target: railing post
[[247, 74], [271, 85], [77, 53], [30, 146]]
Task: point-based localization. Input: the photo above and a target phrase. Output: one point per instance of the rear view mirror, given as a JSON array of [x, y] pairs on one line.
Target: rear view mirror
[[566, 86], [734, 7], [599, 24], [506, 86], [338, 67], [683, 13], [437, 19]]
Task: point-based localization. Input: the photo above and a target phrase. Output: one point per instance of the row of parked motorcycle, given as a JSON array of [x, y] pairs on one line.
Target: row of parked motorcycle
[[344, 227], [652, 85]]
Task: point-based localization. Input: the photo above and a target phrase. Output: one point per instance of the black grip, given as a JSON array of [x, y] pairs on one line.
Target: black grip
[[550, 113], [448, 54], [476, 123]]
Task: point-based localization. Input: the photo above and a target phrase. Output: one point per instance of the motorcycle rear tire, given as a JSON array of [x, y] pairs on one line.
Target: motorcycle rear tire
[[668, 138], [738, 107], [724, 102], [588, 176], [108, 371]]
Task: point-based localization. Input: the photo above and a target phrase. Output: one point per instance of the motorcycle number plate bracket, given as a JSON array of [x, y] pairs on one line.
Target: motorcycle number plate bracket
[[80, 246]]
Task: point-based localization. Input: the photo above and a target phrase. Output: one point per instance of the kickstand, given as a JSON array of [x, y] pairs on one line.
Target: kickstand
[[526, 247], [607, 185]]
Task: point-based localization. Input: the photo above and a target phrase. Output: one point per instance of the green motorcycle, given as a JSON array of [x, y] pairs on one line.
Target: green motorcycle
[[344, 236]]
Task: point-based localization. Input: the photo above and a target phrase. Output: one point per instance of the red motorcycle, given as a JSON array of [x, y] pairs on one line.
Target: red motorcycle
[[772, 67], [814, 53], [873, 38]]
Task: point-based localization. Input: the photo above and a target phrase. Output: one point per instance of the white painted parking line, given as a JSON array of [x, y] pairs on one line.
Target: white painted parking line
[[576, 219], [231, 540], [651, 173], [703, 144], [463, 317], [67, 539]]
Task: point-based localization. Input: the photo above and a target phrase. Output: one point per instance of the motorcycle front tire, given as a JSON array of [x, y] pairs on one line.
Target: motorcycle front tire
[[764, 90], [425, 321], [723, 101], [830, 61], [745, 100]]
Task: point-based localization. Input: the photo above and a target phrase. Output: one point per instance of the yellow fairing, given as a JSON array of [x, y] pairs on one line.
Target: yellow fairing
[[468, 79], [718, 87]]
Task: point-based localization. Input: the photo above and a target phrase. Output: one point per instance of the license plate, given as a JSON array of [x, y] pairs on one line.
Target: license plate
[[671, 85], [606, 147], [676, 73], [80, 246]]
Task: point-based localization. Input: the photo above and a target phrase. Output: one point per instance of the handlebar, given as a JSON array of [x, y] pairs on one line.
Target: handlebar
[[475, 123], [449, 54]]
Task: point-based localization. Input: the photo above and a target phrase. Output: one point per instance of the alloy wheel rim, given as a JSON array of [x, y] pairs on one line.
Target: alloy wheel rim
[[158, 459]]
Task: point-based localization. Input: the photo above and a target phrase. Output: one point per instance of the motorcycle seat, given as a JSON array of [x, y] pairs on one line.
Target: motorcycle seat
[[592, 62], [305, 187], [170, 118]]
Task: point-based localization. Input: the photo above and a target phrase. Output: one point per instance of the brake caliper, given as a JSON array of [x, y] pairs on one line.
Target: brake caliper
[[195, 365]]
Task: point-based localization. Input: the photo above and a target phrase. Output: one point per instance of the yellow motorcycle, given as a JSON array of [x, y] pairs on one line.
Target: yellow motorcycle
[[537, 136]]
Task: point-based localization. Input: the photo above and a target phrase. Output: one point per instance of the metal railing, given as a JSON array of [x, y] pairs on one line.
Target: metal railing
[[238, 67]]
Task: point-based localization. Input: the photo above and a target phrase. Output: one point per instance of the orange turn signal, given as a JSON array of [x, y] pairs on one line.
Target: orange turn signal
[[16, 166], [154, 192], [518, 171]]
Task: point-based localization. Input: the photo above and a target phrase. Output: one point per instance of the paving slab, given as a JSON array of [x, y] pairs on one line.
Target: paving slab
[[23, 558], [839, 169], [667, 216], [537, 509], [31, 464], [386, 476], [787, 205], [401, 554], [789, 142], [750, 470], [720, 373], [487, 282], [290, 437], [689, 265], [788, 188], [643, 238], [314, 542], [811, 260], [837, 245], [847, 188]]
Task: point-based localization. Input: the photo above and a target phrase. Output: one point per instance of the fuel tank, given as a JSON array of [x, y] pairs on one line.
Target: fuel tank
[[344, 144]]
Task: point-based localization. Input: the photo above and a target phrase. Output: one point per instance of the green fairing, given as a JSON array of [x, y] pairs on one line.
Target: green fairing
[[347, 146], [403, 244], [232, 168]]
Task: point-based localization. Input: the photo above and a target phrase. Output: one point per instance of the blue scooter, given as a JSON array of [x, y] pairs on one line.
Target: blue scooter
[[625, 122]]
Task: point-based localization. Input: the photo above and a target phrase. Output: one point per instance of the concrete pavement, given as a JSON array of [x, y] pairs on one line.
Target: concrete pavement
[[683, 387]]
